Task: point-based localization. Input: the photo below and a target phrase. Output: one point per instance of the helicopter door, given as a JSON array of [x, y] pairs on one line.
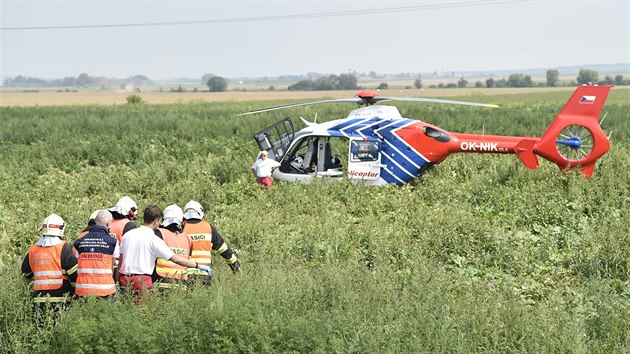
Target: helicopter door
[[276, 138], [364, 162]]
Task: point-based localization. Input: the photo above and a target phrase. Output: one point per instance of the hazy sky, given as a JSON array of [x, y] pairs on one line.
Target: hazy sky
[[270, 38]]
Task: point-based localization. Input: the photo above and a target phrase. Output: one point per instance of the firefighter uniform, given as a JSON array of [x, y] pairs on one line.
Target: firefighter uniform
[[97, 251]]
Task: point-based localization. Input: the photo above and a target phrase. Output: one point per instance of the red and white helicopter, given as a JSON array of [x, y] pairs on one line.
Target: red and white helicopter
[[376, 145]]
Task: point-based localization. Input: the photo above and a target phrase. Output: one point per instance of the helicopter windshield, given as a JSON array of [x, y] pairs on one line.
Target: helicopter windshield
[[315, 154]]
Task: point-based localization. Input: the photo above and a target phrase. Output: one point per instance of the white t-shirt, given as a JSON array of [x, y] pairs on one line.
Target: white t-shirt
[[263, 167], [140, 249]]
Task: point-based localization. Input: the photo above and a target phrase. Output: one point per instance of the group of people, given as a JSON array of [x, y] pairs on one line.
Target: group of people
[[112, 253]]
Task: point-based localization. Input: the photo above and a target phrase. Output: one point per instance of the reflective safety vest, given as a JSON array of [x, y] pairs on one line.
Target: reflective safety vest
[[201, 236], [95, 276], [117, 228], [45, 264], [180, 244]]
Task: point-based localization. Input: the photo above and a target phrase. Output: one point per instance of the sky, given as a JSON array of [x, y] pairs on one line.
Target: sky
[[255, 38]]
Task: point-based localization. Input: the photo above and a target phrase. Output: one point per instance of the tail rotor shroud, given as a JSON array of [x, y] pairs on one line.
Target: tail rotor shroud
[[575, 142]]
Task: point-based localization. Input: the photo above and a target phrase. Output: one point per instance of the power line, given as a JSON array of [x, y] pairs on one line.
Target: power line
[[282, 17]]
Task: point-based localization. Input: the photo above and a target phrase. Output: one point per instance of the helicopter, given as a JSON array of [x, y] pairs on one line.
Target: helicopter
[[375, 145]]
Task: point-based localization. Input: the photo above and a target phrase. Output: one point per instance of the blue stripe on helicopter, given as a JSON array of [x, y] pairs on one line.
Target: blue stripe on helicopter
[[403, 162]]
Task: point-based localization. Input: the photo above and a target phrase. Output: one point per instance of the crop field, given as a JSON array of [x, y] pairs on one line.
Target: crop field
[[45, 97], [479, 255]]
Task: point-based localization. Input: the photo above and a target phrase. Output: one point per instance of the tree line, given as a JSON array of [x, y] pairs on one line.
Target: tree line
[[83, 80], [585, 76]]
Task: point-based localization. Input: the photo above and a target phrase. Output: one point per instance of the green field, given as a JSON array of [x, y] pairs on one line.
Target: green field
[[479, 255]]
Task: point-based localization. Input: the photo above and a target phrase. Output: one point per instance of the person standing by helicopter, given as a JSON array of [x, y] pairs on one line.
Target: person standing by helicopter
[[263, 168]]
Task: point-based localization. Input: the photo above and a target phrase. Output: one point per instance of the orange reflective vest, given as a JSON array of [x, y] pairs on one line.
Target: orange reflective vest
[[45, 264], [95, 275], [117, 228], [201, 236], [180, 244]]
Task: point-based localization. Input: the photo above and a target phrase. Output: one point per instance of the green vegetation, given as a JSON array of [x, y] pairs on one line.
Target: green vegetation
[[330, 82], [479, 255]]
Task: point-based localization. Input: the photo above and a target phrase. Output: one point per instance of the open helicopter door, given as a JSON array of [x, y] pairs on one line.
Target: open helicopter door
[[276, 138], [364, 161]]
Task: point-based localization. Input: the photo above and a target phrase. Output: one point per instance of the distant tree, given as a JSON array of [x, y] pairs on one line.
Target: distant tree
[[619, 80], [372, 75], [587, 76], [452, 85], [552, 77], [500, 83], [382, 86], [520, 80], [68, 81], [217, 84], [417, 83], [347, 82], [303, 85], [326, 83], [490, 83], [462, 83], [608, 80], [206, 77], [84, 80], [478, 84]]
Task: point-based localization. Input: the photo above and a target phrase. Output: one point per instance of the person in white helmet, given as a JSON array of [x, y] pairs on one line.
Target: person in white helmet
[[51, 264], [124, 212], [206, 238], [168, 274], [140, 250]]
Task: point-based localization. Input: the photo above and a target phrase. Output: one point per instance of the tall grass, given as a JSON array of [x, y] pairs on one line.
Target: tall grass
[[479, 255]]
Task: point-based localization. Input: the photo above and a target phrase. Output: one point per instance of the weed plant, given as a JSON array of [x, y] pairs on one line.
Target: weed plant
[[479, 255]]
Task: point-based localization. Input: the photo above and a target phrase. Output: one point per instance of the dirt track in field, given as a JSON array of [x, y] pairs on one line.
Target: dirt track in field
[[53, 98]]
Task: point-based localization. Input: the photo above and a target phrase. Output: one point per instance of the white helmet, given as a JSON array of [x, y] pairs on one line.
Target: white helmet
[[193, 210], [53, 225], [125, 206], [173, 215]]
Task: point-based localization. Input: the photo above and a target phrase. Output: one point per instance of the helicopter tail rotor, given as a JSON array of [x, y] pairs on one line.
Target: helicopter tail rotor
[[575, 139]]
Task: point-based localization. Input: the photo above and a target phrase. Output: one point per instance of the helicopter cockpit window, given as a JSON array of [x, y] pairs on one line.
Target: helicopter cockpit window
[[302, 158], [364, 150]]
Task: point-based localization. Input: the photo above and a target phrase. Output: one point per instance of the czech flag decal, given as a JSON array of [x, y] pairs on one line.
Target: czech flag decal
[[587, 100]]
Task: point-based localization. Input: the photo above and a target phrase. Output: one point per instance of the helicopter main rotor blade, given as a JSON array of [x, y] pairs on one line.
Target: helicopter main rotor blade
[[434, 100], [274, 108]]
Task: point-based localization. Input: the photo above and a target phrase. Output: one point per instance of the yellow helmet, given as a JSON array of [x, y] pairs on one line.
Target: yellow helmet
[[53, 225]]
